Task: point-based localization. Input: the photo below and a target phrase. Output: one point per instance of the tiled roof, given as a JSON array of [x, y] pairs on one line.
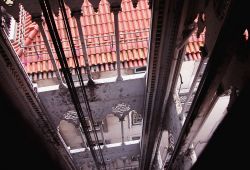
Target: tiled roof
[[134, 24], [193, 47]]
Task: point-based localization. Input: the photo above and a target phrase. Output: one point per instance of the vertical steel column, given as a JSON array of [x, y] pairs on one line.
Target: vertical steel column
[[38, 20], [77, 15], [117, 42]]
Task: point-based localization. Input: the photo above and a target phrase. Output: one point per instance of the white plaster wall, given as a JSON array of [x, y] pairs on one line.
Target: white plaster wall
[[70, 134], [187, 72], [114, 129], [216, 115], [95, 76], [163, 148], [113, 134]]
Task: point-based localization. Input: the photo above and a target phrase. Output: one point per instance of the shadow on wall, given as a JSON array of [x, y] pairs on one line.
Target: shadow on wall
[[21, 148]]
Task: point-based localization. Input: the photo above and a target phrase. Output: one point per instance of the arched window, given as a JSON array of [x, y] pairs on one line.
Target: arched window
[[136, 118], [70, 134]]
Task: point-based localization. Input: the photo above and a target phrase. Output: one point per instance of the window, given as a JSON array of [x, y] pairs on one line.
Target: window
[[140, 70], [136, 118], [136, 138]]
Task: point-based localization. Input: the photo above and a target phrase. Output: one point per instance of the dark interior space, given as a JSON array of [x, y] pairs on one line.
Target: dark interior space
[[229, 146], [21, 146]]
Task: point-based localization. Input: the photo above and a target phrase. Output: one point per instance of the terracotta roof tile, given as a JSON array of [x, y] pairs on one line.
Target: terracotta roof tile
[[98, 29]]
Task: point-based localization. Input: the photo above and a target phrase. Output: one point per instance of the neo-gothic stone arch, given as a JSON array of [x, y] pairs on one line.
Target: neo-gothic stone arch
[[70, 134]]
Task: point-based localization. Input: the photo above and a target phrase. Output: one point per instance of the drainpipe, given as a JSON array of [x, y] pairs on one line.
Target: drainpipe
[[77, 15], [38, 20], [191, 90], [116, 11]]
